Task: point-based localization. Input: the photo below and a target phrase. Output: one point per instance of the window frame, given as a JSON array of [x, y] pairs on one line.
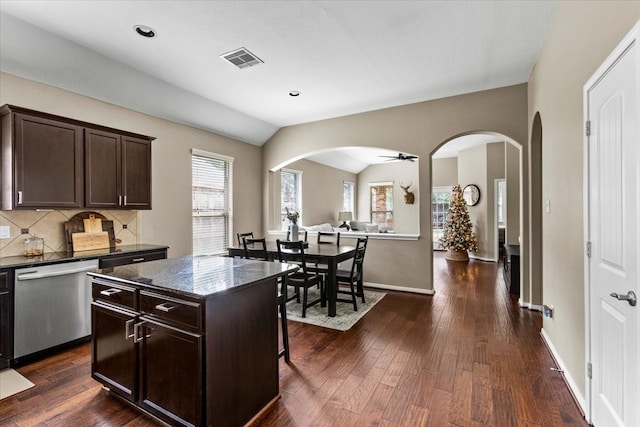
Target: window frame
[[298, 203], [226, 213], [388, 212], [349, 198]]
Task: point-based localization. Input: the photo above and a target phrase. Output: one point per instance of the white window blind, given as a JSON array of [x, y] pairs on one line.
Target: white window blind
[[212, 195]]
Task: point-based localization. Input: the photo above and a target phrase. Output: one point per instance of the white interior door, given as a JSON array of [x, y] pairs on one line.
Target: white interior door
[[613, 211]]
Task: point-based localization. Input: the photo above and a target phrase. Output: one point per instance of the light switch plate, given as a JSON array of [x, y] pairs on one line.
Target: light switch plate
[[547, 206], [5, 232]]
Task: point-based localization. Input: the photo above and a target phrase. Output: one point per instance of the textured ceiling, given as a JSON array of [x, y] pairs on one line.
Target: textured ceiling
[[344, 57]]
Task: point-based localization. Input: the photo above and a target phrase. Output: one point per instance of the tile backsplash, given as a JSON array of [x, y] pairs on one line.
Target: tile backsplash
[[49, 225]]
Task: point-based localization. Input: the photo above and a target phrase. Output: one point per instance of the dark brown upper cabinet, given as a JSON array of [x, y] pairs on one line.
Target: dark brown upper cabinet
[[118, 171], [42, 163], [53, 162]]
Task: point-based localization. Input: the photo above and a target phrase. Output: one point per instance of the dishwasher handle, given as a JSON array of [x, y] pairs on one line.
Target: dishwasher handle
[[35, 274]]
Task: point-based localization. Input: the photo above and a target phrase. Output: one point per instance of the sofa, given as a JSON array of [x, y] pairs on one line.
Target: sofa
[[357, 226]]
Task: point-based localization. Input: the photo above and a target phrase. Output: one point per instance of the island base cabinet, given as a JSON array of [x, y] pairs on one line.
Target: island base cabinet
[[114, 354], [170, 373]]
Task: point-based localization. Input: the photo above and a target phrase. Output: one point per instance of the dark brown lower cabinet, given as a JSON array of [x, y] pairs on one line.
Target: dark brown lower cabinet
[[6, 318], [114, 358], [209, 361], [177, 393]]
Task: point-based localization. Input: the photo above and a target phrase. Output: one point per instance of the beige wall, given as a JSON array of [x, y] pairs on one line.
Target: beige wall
[[495, 170], [322, 191], [472, 169], [418, 129], [444, 172], [406, 217], [170, 220], [582, 35]]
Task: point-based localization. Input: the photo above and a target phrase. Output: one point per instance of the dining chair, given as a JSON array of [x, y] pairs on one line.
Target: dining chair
[[242, 235], [257, 249], [324, 238], [300, 233], [353, 277], [294, 252]]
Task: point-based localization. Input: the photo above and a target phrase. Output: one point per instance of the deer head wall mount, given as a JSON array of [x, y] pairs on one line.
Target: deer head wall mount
[[409, 197]]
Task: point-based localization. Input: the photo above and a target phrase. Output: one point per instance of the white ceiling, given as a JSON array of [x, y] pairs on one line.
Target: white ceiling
[[344, 57]]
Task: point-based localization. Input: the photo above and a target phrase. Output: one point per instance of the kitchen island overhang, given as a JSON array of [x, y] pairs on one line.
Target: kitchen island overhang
[[192, 340]]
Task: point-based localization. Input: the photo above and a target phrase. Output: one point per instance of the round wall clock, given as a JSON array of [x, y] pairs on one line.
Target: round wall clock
[[471, 194]]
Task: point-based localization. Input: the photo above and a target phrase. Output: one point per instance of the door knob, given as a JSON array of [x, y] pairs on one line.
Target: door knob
[[630, 297]]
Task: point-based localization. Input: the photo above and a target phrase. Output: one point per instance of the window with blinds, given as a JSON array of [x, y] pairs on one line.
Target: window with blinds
[[212, 195]]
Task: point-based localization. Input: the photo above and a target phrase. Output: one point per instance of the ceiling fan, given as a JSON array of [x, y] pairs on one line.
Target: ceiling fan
[[400, 156]]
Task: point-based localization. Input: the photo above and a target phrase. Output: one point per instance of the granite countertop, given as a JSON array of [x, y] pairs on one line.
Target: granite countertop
[[196, 276], [58, 257]]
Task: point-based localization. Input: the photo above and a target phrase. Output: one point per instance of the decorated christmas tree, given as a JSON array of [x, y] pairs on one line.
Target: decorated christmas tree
[[458, 236]]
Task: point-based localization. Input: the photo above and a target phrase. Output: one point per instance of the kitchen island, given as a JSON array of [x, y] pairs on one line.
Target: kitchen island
[[192, 340]]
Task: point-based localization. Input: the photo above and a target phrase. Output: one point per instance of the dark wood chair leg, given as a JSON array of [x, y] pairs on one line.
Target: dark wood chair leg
[[285, 330], [304, 303]]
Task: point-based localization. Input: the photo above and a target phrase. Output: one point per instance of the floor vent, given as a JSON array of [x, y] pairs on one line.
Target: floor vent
[[242, 58]]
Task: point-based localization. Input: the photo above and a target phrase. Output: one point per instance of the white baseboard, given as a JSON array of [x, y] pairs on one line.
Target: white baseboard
[[400, 288], [479, 258], [534, 307], [579, 398]]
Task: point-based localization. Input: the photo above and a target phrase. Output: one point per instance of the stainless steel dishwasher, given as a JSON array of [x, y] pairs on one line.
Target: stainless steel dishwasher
[[52, 306]]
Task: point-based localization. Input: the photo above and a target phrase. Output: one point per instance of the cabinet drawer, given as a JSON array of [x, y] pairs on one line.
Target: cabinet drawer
[[114, 261], [170, 310], [116, 294]]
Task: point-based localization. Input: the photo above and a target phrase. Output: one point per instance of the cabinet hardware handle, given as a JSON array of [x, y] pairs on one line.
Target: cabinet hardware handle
[[166, 307], [127, 328], [137, 260], [120, 200], [109, 292], [125, 200], [19, 197], [137, 336]]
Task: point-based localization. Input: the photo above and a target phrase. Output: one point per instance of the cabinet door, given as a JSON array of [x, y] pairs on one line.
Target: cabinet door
[[136, 173], [6, 317], [49, 164], [103, 180], [114, 354], [171, 373]]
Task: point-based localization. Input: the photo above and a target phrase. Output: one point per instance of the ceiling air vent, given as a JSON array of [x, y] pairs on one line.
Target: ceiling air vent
[[242, 58]]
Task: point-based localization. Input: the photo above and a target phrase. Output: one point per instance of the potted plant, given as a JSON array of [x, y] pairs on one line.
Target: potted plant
[[458, 238]]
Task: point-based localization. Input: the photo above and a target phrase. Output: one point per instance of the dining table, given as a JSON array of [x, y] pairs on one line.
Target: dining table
[[331, 255]]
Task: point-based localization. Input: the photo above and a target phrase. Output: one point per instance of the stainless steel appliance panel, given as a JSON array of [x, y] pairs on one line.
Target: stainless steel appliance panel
[[52, 305]]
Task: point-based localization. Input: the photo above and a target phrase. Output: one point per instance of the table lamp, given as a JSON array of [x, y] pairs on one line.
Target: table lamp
[[344, 217]]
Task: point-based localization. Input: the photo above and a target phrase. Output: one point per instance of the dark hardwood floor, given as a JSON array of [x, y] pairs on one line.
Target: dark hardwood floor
[[468, 356]]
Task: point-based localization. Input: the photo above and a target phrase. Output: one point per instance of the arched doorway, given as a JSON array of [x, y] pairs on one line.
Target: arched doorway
[[482, 158]]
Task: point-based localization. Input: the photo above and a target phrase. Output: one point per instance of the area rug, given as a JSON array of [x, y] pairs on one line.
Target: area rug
[[11, 382], [345, 316]]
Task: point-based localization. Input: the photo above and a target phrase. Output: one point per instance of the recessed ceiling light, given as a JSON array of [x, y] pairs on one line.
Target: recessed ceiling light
[[145, 31], [294, 93]]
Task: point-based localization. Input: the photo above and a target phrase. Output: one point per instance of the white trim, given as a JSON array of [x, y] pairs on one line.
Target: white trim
[[567, 375], [399, 288], [355, 234], [381, 183], [210, 155]]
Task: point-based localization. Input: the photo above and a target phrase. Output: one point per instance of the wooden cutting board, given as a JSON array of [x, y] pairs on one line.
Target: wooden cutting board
[[92, 224], [89, 241]]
